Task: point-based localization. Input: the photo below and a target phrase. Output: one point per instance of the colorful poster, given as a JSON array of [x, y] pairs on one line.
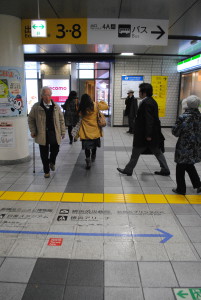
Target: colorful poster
[[7, 137], [12, 92], [160, 85]]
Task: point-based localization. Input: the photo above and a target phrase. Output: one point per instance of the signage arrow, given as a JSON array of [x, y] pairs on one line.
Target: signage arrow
[[164, 234], [182, 295], [35, 26], [161, 32]]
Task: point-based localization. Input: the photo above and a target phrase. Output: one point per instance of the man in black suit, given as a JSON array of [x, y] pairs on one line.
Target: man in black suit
[[131, 110], [147, 132]]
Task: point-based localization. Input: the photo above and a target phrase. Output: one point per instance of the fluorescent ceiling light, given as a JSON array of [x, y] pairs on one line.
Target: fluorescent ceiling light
[[127, 54]]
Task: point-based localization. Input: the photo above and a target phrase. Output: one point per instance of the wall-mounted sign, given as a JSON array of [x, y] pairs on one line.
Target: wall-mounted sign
[[99, 31], [189, 64], [12, 92], [130, 82], [38, 28], [160, 85], [7, 137]]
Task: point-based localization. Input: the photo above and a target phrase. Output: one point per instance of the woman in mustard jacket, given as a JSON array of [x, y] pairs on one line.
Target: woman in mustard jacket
[[90, 132]]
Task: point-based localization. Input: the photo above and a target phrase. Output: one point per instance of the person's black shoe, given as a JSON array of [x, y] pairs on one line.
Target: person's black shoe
[[71, 142], [124, 172], [178, 192], [199, 190], [162, 173]]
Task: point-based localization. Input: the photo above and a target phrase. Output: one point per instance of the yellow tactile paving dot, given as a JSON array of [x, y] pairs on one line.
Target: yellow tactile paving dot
[[116, 198], [155, 198], [11, 195], [194, 199], [52, 197], [93, 198], [72, 197], [135, 198], [176, 199], [31, 196]]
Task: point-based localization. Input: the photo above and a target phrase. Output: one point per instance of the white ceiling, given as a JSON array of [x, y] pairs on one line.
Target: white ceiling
[[183, 15]]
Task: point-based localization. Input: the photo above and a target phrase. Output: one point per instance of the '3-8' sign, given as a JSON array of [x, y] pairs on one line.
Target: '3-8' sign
[[75, 31]]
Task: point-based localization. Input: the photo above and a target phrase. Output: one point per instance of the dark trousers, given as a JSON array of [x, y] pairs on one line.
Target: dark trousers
[[70, 127], [88, 152], [180, 176], [131, 122], [48, 154], [136, 154]]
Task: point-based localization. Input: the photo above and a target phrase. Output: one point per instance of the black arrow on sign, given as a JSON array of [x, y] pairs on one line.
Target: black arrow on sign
[[161, 32]]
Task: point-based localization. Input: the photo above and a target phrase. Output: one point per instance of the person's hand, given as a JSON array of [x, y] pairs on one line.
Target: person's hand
[[63, 136], [33, 135], [148, 139]]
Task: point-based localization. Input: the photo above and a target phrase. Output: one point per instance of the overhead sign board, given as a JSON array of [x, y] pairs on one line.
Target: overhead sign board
[[38, 28], [99, 31], [128, 31]]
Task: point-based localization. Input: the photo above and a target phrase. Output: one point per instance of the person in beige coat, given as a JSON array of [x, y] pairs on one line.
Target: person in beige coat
[[90, 132], [47, 127]]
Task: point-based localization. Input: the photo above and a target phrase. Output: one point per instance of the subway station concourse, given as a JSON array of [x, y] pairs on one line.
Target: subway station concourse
[[97, 234]]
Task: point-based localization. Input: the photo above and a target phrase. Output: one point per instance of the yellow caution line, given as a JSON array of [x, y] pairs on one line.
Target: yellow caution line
[[100, 198]]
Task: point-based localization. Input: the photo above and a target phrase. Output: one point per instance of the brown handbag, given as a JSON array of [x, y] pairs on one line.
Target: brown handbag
[[101, 120]]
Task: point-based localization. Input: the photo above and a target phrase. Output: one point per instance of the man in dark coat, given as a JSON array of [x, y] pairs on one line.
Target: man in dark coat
[[147, 132], [131, 110]]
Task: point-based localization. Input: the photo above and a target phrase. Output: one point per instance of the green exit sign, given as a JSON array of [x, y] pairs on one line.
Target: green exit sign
[[38, 28]]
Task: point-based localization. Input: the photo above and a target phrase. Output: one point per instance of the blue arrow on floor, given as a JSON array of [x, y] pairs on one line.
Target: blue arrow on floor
[[163, 234]]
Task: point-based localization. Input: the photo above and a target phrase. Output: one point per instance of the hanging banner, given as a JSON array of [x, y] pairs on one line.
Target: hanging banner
[[160, 85], [12, 92], [100, 31]]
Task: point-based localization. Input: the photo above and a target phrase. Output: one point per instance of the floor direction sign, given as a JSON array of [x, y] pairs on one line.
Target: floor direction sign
[[188, 294]]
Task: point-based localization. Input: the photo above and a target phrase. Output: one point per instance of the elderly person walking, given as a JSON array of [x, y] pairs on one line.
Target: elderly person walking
[[188, 148], [46, 124]]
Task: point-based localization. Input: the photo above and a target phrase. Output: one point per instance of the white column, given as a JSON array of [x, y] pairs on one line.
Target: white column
[[13, 107]]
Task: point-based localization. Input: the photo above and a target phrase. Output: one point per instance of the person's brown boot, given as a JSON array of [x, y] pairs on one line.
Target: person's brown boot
[[47, 175]]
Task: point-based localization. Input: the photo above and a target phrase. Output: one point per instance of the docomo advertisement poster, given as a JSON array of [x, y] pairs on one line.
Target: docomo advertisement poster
[[12, 92], [59, 87]]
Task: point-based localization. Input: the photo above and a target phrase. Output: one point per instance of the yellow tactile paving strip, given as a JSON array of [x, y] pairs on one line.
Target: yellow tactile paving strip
[[100, 198]]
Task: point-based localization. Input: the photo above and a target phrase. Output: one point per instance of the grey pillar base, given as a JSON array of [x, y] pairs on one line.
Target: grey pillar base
[[15, 161]]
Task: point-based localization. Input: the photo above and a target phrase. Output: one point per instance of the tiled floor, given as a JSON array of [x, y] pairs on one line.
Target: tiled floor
[[96, 234]]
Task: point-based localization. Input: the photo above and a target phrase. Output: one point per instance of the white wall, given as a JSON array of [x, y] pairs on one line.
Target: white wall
[[147, 67]]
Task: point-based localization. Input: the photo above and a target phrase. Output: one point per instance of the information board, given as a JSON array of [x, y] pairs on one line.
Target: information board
[[130, 82]]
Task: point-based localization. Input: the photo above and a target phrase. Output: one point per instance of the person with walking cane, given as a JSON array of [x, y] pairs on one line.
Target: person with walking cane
[[46, 124]]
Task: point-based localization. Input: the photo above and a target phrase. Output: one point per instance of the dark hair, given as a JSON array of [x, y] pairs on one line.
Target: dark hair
[[86, 104], [72, 95], [146, 88]]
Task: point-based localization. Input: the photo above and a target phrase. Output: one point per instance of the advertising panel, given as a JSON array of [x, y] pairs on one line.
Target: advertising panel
[[12, 92], [59, 87]]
